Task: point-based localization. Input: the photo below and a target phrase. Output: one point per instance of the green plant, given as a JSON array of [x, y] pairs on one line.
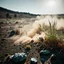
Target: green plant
[[52, 32], [52, 35]]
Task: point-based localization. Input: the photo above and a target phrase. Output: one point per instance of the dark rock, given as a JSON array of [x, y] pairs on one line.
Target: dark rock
[[44, 55], [19, 58], [12, 33]]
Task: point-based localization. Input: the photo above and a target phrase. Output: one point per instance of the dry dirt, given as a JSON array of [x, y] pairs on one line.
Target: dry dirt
[[6, 45]]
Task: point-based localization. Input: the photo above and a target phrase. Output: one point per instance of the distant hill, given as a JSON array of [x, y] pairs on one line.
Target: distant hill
[[5, 13]]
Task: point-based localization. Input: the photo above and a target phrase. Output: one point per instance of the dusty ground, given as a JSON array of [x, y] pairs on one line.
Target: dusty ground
[[7, 46], [25, 24]]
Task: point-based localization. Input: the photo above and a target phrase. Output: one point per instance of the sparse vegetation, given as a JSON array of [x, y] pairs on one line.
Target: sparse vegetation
[[15, 16], [51, 38], [7, 15]]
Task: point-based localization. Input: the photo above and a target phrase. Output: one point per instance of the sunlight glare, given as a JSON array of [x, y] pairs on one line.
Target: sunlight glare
[[51, 3]]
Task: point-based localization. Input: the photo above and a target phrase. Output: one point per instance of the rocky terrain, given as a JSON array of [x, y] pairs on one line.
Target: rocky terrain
[[40, 37]]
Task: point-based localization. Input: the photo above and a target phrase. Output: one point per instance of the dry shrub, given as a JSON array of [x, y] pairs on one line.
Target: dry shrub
[[23, 39], [18, 31], [14, 38], [38, 37], [33, 31]]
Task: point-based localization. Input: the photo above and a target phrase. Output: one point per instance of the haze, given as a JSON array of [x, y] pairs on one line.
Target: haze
[[35, 6]]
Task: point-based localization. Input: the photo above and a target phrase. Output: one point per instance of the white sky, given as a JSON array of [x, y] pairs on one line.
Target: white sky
[[35, 6]]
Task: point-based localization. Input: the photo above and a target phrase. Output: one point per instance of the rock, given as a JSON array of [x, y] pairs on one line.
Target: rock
[[33, 61], [45, 52], [44, 55], [12, 33], [18, 58], [57, 59]]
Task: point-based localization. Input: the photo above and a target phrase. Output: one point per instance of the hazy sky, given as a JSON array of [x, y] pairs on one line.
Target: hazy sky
[[34, 6]]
